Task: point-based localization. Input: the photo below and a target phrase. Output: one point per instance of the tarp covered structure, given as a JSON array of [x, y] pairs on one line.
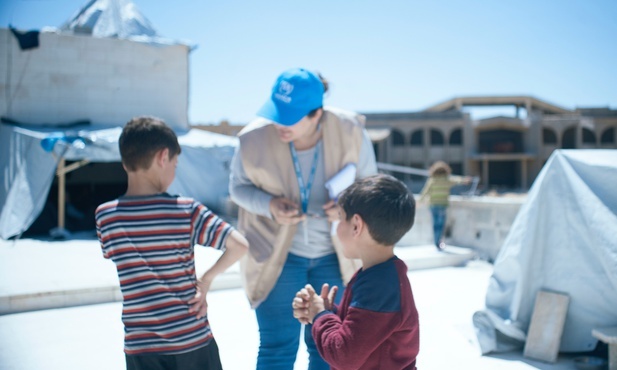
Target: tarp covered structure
[[104, 65], [75, 92], [28, 170], [114, 18], [563, 240]]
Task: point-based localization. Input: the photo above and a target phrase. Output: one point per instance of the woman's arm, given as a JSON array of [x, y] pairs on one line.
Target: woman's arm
[[367, 165], [243, 192]]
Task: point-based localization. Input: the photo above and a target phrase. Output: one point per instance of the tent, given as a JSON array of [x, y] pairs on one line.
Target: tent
[[29, 160], [87, 87], [562, 240], [116, 19]]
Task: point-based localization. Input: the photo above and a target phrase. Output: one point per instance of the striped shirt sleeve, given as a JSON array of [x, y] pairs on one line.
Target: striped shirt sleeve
[[208, 228]]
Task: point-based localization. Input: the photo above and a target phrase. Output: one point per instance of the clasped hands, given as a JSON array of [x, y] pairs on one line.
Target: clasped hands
[[286, 212], [307, 303]]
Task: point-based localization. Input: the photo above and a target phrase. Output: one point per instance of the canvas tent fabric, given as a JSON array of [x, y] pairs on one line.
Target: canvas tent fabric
[[29, 170], [116, 19], [562, 240], [110, 18]]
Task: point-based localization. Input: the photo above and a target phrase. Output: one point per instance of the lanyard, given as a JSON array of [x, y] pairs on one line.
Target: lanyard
[[305, 191]]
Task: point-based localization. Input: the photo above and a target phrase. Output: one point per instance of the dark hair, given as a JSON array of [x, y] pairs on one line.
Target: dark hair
[[384, 203], [439, 168], [326, 84], [141, 138]]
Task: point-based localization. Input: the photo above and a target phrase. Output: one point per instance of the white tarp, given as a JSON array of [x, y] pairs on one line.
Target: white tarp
[[564, 239], [116, 19], [28, 170]]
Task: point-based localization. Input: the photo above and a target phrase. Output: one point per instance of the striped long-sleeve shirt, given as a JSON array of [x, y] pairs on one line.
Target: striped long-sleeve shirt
[[151, 241]]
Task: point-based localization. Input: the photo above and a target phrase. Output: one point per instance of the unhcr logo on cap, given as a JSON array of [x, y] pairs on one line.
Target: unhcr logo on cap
[[285, 88], [295, 94]]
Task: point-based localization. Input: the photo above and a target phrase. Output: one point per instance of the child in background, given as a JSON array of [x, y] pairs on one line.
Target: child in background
[[437, 188], [376, 325], [150, 236]]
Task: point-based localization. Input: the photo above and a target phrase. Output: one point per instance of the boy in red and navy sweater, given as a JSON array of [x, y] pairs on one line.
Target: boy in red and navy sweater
[[150, 236], [376, 325]]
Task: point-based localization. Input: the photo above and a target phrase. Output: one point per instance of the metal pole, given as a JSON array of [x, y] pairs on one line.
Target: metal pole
[[61, 194]]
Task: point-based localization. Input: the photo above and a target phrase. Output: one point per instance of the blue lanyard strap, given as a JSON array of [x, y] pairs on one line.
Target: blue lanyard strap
[[305, 191]]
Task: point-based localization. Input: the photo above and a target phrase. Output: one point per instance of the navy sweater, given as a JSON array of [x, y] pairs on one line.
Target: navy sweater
[[376, 325]]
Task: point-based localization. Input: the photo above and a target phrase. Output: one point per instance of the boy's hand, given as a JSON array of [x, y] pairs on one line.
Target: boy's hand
[[198, 304], [285, 211], [307, 304], [300, 305], [328, 295], [316, 303]]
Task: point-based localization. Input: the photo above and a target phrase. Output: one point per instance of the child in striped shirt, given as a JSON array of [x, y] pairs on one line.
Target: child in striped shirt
[[150, 236]]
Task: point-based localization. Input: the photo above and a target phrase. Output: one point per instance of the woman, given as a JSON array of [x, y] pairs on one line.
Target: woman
[[277, 178]]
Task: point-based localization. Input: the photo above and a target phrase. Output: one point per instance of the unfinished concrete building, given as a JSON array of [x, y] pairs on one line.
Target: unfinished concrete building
[[506, 152]]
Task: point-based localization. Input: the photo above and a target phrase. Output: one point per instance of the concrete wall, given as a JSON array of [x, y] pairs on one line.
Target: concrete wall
[[107, 81], [479, 223]]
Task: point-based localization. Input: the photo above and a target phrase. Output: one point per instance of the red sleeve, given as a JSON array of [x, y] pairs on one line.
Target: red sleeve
[[348, 343]]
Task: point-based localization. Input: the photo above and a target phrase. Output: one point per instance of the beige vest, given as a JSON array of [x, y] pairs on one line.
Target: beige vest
[[268, 164]]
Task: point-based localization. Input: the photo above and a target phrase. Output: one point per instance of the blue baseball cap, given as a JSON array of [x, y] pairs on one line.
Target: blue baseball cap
[[295, 94]]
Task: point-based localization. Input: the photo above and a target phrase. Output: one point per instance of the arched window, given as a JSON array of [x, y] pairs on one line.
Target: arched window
[[436, 137], [456, 137], [500, 141], [589, 137], [608, 136], [397, 138], [569, 138], [417, 138], [549, 136]]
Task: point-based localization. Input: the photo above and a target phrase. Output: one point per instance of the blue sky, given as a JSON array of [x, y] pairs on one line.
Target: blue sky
[[386, 56]]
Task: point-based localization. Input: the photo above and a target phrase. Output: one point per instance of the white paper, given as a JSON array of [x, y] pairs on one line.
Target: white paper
[[341, 180]]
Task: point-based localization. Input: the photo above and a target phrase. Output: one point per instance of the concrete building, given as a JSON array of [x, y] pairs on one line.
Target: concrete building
[[504, 151], [105, 81], [223, 128]]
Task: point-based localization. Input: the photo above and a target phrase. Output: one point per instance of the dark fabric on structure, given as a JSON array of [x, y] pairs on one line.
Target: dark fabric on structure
[[27, 40], [12, 122]]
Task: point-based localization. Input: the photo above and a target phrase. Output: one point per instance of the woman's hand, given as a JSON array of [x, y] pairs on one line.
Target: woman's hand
[[285, 211], [331, 211]]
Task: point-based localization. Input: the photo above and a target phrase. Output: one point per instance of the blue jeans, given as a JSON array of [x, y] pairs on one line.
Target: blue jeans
[[439, 221], [279, 331]]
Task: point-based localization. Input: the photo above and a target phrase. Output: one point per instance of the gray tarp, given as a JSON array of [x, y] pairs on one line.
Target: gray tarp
[[115, 18], [564, 239], [28, 170]]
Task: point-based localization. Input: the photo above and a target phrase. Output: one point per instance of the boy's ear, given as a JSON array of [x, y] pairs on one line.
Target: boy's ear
[[357, 224], [162, 156]]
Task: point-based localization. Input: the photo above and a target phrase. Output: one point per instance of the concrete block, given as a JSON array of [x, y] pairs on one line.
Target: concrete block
[[118, 295], [546, 326], [5, 305], [608, 336], [484, 216], [38, 301], [506, 215], [89, 296]]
